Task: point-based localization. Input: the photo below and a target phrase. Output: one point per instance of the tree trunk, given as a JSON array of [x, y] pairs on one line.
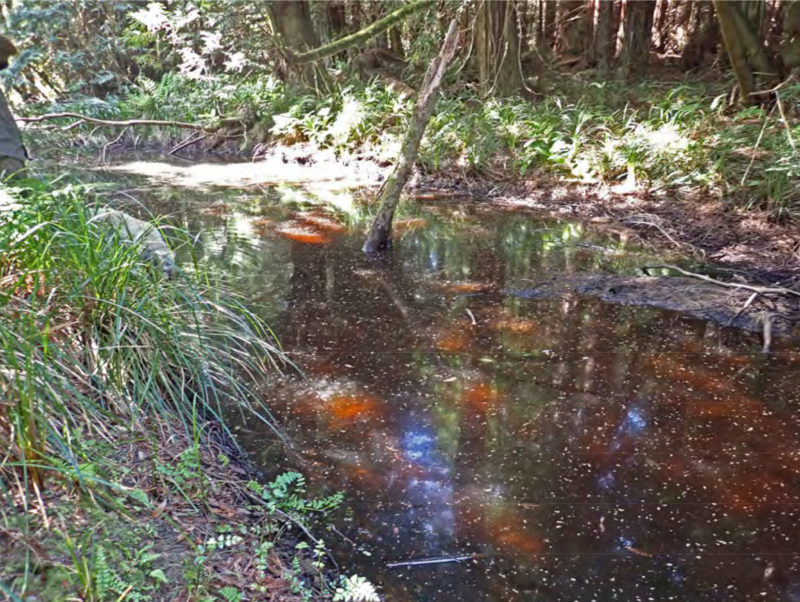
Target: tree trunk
[[292, 22], [497, 48], [380, 234], [638, 26], [660, 33], [790, 49], [602, 42], [572, 27], [335, 12], [703, 37], [548, 23], [749, 61], [396, 41]]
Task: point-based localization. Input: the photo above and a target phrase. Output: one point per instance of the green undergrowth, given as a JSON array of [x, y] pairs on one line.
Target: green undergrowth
[[654, 134], [118, 478]]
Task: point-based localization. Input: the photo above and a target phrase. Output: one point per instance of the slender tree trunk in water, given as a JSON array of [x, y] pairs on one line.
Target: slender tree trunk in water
[[636, 40], [380, 233], [746, 54], [497, 48]]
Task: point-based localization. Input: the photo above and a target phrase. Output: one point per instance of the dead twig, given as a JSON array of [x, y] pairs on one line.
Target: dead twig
[[652, 221], [747, 304], [108, 145], [761, 290], [115, 123], [192, 139], [767, 323]]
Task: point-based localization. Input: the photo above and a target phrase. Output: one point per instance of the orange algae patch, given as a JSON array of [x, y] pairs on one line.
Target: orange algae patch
[[464, 286], [515, 541], [215, 210], [480, 396], [302, 233], [514, 325], [740, 408], [347, 408], [321, 222], [455, 340], [509, 535], [401, 226]]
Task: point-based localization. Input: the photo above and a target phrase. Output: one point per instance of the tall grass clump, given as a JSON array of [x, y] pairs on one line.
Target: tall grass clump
[[96, 345]]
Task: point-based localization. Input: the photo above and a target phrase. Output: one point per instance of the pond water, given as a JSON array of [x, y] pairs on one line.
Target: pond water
[[564, 449]]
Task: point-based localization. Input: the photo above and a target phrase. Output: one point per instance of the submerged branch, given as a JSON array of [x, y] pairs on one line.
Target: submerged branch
[[762, 290], [436, 560]]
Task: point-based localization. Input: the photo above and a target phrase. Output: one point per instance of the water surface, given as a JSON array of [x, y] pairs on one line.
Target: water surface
[[572, 449]]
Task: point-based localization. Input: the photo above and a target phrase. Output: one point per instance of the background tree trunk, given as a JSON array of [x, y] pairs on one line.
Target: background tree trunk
[[602, 38], [790, 47], [703, 37], [292, 22], [638, 26], [746, 52], [573, 27], [497, 48]]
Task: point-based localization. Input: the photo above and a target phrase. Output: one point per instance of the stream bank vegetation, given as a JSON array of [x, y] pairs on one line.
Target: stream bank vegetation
[[119, 479]]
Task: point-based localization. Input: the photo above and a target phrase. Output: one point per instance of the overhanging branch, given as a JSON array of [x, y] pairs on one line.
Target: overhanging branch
[[376, 28]]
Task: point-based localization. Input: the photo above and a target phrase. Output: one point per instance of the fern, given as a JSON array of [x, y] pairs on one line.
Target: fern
[[105, 579], [231, 594], [287, 493]]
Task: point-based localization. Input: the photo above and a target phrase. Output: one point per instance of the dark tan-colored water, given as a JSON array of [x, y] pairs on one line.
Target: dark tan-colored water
[[576, 450]]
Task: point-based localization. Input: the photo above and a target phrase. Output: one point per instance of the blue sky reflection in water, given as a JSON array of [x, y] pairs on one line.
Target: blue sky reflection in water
[[581, 450]]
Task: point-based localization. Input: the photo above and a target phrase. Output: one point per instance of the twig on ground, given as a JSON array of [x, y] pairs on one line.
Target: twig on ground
[[651, 220], [744, 308], [767, 322]]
